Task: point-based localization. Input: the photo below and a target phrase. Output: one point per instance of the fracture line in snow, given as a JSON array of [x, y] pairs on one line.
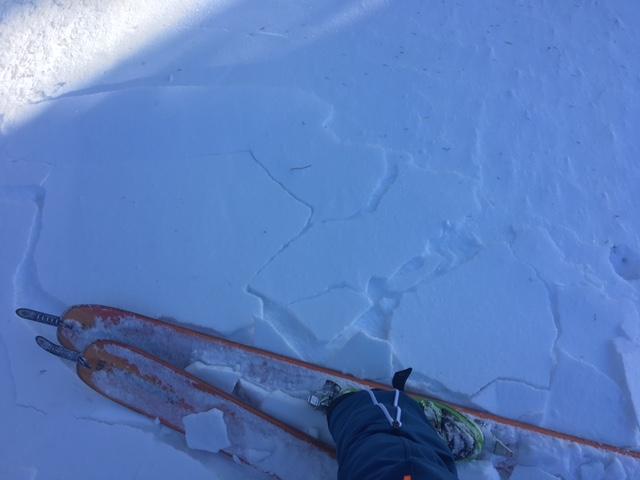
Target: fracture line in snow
[[305, 227], [26, 274]]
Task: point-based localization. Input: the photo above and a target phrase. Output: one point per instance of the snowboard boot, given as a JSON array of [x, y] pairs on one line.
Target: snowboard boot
[[462, 435], [322, 398]]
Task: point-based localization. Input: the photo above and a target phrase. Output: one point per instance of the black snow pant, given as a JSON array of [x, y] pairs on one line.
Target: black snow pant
[[375, 443]]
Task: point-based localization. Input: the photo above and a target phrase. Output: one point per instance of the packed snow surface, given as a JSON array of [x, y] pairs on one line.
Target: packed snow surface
[[367, 185]]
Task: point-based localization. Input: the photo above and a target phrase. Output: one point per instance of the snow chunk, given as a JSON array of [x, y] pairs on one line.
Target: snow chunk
[[478, 470], [492, 309], [615, 471], [326, 315], [513, 399], [631, 328], [531, 473], [222, 377], [269, 338], [589, 404], [630, 355], [297, 413], [256, 456], [590, 471], [554, 457], [206, 431]]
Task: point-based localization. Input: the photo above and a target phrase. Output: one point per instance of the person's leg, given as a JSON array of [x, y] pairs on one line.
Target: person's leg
[[463, 436], [377, 441]]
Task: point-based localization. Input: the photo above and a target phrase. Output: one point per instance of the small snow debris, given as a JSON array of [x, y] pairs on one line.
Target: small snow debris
[[206, 431], [531, 473], [222, 377], [590, 471]]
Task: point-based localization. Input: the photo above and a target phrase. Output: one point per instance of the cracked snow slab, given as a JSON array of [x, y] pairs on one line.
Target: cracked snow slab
[[513, 399], [492, 310], [535, 247], [629, 354], [589, 320], [350, 252], [181, 235], [363, 356], [328, 314], [288, 130], [589, 404], [22, 371]]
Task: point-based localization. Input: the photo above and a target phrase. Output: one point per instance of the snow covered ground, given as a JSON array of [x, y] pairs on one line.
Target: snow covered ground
[[363, 184]]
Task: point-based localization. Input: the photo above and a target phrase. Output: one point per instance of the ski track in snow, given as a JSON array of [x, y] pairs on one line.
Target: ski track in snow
[[331, 183]]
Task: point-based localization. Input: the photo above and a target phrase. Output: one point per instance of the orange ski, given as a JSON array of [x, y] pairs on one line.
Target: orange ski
[[179, 346], [154, 388]]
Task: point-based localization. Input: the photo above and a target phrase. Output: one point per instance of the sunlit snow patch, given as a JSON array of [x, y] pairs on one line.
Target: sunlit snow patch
[[48, 48]]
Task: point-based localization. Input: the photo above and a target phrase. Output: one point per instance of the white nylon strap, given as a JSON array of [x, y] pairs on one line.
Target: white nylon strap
[[394, 423]]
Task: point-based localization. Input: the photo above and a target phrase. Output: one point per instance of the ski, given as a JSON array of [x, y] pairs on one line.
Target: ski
[[151, 387], [182, 347]]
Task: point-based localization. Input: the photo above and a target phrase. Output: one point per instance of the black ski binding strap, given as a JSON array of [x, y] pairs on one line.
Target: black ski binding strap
[[400, 378], [60, 351], [39, 317]]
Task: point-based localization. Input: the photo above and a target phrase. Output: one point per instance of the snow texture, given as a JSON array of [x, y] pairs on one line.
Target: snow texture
[[534, 473], [369, 185], [478, 470]]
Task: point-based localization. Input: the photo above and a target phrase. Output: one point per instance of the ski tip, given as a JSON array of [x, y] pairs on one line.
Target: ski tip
[[45, 344], [24, 313], [40, 317], [60, 351]]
